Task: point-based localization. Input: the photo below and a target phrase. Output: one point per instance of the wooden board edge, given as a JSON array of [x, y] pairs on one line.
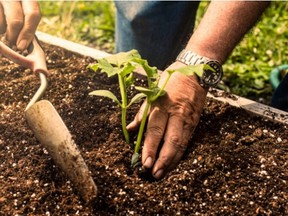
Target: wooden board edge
[[250, 106], [71, 46]]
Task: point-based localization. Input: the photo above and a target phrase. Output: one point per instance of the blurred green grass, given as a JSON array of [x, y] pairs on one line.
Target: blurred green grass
[[246, 71], [87, 22], [262, 49]]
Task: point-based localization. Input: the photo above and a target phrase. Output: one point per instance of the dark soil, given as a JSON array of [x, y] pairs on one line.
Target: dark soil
[[237, 163]]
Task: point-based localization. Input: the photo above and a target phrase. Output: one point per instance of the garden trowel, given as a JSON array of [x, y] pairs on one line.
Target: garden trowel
[[48, 126]]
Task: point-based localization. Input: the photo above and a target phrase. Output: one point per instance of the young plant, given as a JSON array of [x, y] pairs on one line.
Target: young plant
[[121, 65]]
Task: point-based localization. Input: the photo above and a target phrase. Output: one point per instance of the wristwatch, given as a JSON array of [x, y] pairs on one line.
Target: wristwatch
[[209, 78]]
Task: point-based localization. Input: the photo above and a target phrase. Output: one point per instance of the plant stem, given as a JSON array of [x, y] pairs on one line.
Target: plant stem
[[141, 129], [123, 107], [144, 118], [162, 88], [123, 120]]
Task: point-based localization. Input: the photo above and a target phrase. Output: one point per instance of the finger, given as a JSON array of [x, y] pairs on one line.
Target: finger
[[2, 20], [187, 133], [190, 124], [134, 125], [154, 133], [32, 16], [14, 19], [173, 147]]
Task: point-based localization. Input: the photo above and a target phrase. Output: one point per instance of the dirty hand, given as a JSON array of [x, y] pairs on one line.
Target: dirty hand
[[172, 120], [19, 20]]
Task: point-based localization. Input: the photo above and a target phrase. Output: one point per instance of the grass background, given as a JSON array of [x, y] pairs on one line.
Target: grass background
[[246, 73]]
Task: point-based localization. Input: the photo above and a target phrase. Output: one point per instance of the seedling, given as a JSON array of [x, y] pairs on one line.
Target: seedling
[[123, 64], [120, 64]]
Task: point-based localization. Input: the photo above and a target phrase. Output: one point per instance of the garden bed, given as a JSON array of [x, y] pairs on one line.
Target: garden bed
[[236, 163]]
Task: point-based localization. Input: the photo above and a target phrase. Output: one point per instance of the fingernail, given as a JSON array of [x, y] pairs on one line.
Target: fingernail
[[148, 163], [22, 45], [158, 174]]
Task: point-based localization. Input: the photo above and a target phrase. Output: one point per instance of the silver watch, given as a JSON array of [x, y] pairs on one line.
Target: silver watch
[[209, 78]]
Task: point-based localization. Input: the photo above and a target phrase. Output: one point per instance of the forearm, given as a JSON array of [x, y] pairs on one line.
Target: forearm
[[223, 26]]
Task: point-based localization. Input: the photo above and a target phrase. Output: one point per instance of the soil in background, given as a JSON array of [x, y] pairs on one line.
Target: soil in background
[[236, 163]]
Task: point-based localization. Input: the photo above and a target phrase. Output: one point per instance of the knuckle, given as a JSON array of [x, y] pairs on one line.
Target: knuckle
[[164, 161], [155, 131], [176, 143], [35, 15], [150, 150], [188, 112], [16, 23]]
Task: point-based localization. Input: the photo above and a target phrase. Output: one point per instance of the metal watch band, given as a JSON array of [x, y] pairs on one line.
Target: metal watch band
[[190, 58], [209, 78]]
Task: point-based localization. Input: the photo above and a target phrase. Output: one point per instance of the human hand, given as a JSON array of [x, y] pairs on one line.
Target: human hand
[[19, 20], [172, 119]]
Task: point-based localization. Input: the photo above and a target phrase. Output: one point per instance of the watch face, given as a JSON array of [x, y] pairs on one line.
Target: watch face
[[212, 78]]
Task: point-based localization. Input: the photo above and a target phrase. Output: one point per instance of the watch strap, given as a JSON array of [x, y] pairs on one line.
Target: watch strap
[[190, 58], [208, 79]]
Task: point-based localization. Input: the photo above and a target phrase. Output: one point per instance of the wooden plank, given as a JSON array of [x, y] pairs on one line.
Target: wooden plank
[[234, 100], [250, 106], [71, 46]]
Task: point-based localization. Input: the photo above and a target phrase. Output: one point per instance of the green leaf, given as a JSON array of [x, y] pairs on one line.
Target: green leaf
[[162, 93], [156, 94], [136, 98], [146, 91], [122, 57], [151, 93], [135, 161], [93, 67], [154, 84], [106, 67], [151, 72], [127, 69], [191, 69], [129, 80], [106, 93]]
